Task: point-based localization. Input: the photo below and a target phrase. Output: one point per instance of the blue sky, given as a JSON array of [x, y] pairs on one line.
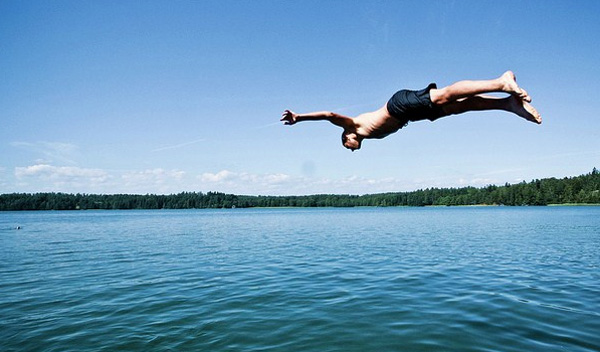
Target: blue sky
[[164, 97]]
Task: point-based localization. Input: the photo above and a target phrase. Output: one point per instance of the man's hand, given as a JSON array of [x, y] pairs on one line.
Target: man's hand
[[289, 117]]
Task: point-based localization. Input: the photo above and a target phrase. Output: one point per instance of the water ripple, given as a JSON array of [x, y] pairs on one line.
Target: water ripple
[[458, 279]]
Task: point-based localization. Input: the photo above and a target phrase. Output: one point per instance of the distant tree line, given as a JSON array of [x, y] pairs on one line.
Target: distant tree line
[[584, 189]]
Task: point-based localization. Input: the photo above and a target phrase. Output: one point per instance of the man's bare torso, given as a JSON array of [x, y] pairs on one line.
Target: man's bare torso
[[376, 124]]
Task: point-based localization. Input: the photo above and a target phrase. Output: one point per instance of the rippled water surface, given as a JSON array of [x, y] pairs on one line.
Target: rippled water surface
[[365, 279]]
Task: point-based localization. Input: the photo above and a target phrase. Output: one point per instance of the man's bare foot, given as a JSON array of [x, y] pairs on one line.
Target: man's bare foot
[[509, 82], [526, 95], [525, 110]]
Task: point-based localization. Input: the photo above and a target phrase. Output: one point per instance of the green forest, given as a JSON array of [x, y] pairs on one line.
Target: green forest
[[584, 189]]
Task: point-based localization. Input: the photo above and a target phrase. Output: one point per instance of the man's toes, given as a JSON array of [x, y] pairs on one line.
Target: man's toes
[[525, 96]]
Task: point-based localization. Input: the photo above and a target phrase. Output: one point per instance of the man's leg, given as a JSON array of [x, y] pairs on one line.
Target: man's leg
[[462, 89], [512, 104]]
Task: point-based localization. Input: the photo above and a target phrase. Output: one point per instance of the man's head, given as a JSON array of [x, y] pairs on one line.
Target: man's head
[[351, 140]]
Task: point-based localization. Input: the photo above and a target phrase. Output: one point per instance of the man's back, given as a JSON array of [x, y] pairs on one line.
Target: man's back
[[376, 124]]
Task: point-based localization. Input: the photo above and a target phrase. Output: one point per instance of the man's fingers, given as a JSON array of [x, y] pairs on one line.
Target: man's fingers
[[286, 117]]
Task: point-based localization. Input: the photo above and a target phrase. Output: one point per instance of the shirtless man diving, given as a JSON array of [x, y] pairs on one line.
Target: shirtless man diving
[[429, 103]]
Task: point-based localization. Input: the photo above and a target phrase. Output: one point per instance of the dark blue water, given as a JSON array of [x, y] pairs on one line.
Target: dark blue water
[[385, 279]]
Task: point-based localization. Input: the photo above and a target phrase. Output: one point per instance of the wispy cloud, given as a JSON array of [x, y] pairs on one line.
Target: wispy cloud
[[570, 154], [51, 152], [499, 172], [268, 125], [180, 145]]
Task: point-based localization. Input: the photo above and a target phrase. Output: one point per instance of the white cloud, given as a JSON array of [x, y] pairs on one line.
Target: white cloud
[[218, 177], [247, 183], [153, 181], [284, 184], [44, 177], [3, 178], [70, 179], [60, 172]]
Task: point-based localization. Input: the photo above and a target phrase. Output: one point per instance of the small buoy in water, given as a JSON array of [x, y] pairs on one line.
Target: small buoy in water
[[18, 228]]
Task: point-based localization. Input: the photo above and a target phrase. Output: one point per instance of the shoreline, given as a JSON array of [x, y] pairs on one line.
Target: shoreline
[[328, 207]]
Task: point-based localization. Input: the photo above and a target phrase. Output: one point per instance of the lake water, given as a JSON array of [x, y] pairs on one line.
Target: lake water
[[362, 279]]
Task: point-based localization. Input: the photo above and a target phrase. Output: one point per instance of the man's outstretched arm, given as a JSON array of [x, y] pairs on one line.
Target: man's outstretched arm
[[290, 118]]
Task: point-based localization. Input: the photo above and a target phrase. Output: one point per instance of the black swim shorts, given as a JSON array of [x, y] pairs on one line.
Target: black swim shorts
[[414, 105]]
